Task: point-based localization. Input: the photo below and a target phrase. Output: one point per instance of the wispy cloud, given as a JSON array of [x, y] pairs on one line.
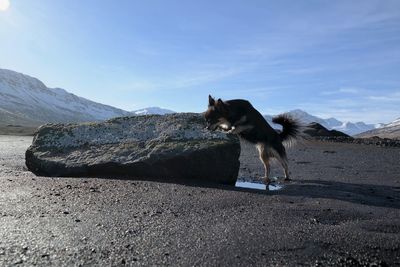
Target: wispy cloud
[[178, 81], [210, 74], [392, 97], [356, 104], [343, 90], [350, 90]]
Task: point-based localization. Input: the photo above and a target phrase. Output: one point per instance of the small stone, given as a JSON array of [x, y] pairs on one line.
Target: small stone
[[20, 261]]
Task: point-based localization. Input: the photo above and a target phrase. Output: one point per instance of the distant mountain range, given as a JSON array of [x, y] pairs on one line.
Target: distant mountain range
[[390, 130], [350, 128], [152, 110], [26, 101]]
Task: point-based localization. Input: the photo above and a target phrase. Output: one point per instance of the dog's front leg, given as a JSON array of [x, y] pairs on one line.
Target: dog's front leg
[[264, 157], [240, 126], [239, 129]]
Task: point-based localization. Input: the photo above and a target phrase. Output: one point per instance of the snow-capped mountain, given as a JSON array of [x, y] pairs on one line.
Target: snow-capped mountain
[[354, 128], [305, 117], [389, 130], [350, 128], [25, 100], [393, 123], [152, 110]]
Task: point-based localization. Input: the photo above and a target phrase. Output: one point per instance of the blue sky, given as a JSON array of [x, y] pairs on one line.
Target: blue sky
[[331, 58]]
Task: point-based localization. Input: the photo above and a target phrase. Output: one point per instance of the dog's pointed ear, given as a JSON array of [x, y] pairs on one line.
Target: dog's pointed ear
[[211, 101], [221, 105]]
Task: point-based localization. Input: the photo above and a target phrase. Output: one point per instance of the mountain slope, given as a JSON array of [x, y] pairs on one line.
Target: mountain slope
[[349, 128], [315, 129], [152, 110], [25, 100], [390, 130]]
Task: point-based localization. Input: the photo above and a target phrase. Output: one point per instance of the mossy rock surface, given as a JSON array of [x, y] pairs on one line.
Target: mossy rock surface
[[175, 146]]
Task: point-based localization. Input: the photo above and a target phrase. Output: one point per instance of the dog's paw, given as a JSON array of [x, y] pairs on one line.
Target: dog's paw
[[266, 181], [225, 126], [225, 129], [231, 130]]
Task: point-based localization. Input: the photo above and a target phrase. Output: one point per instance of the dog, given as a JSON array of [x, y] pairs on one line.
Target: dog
[[239, 117]]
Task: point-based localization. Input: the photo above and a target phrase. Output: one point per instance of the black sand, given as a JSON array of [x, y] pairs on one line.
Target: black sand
[[343, 208]]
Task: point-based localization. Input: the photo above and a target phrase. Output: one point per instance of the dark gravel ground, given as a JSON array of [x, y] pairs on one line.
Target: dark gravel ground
[[342, 209]]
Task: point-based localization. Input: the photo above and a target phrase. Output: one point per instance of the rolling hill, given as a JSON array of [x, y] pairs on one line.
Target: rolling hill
[[26, 101]]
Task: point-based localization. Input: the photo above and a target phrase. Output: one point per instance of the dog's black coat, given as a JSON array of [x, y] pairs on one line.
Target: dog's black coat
[[261, 132], [240, 117]]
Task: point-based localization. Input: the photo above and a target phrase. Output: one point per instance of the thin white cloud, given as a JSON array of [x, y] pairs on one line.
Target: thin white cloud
[[356, 104], [350, 90], [179, 81], [393, 97], [200, 77]]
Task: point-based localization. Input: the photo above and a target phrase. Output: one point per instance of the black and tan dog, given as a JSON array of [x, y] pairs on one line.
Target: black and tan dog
[[239, 117]]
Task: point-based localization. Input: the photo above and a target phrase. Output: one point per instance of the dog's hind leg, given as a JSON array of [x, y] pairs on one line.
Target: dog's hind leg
[[284, 163], [279, 153], [264, 157], [286, 170]]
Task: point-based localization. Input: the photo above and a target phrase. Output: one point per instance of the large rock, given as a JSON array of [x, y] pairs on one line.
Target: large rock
[[168, 147]]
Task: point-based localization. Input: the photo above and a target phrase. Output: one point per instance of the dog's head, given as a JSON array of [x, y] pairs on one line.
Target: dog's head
[[216, 114]]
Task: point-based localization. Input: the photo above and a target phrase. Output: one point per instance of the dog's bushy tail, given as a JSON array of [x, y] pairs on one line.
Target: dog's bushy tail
[[291, 128]]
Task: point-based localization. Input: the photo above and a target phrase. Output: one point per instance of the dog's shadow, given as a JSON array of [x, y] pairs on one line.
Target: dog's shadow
[[364, 194]]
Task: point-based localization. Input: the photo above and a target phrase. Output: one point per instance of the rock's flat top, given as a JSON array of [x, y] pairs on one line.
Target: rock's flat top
[[343, 208], [136, 136], [172, 127]]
